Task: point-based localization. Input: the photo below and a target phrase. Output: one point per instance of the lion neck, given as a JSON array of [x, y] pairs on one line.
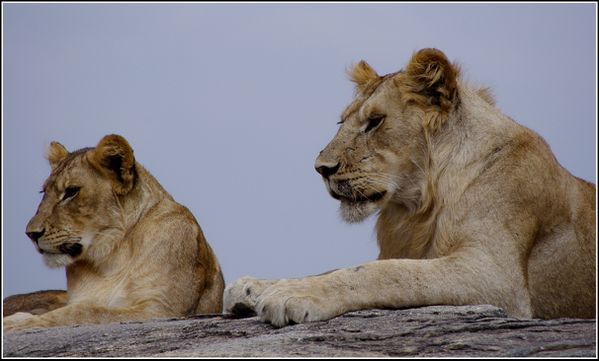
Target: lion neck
[[115, 246], [144, 196], [414, 224]]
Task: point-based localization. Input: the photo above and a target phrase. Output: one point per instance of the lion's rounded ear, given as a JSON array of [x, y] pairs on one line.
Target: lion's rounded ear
[[362, 74], [430, 82], [113, 156], [56, 152], [431, 75]]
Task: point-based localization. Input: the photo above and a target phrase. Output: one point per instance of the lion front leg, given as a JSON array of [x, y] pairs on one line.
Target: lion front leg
[[393, 284], [81, 313], [15, 318], [22, 321]]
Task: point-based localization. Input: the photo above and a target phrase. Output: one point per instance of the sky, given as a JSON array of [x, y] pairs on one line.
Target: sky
[[228, 105]]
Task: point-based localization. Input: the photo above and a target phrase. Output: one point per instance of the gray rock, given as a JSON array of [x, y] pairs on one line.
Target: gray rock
[[437, 331]]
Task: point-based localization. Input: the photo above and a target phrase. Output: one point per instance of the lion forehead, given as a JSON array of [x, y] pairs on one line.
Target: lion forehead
[[74, 166]]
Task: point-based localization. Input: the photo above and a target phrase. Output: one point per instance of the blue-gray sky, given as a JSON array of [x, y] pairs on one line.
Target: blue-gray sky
[[228, 105]]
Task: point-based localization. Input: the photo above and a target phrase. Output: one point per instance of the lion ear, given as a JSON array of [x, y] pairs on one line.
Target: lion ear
[[56, 152], [431, 81], [113, 156], [362, 74]]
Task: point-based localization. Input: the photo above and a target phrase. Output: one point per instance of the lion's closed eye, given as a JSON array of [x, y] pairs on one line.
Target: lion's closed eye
[[70, 192]]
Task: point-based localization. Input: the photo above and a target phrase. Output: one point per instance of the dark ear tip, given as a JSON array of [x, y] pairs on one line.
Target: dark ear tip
[[111, 146], [114, 143], [116, 136], [430, 51], [430, 55], [113, 138]]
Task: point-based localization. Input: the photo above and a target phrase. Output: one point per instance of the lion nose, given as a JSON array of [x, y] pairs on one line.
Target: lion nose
[[35, 235], [327, 170]]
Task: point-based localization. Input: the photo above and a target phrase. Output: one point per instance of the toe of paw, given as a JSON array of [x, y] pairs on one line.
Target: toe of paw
[[242, 310]]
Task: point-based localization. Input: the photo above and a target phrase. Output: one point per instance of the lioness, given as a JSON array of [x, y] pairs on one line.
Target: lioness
[[130, 251], [473, 208]]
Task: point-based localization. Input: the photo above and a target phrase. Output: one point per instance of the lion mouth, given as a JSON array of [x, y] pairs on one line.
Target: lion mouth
[[72, 249], [377, 196]]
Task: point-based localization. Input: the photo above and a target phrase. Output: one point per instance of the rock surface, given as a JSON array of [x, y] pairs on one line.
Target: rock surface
[[437, 331]]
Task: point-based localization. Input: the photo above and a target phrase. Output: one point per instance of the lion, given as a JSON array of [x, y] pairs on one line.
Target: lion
[[473, 208], [131, 251]]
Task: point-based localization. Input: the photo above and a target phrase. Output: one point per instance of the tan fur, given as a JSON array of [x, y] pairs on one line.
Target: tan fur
[[363, 75], [473, 208], [56, 152], [130, 251], [487, 95]]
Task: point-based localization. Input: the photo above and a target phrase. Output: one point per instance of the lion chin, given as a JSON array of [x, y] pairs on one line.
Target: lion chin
[[356, 212], [57, 260]]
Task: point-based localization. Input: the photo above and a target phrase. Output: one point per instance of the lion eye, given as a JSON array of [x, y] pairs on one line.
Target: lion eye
[[374, 122], [70, 192]]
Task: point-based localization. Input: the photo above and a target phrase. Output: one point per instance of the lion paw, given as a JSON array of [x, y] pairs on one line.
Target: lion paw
[[240, 296], [17, 317], [294, 301], [22, 321]]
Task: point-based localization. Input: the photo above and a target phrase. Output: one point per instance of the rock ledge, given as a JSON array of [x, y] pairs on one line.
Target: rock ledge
[[436, 331]]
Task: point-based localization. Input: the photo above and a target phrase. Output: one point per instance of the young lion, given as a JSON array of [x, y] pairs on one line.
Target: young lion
[[130, 251], [473, 208]]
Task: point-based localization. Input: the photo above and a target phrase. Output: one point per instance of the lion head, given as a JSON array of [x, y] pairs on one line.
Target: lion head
[[379, 153], [80, 215]]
